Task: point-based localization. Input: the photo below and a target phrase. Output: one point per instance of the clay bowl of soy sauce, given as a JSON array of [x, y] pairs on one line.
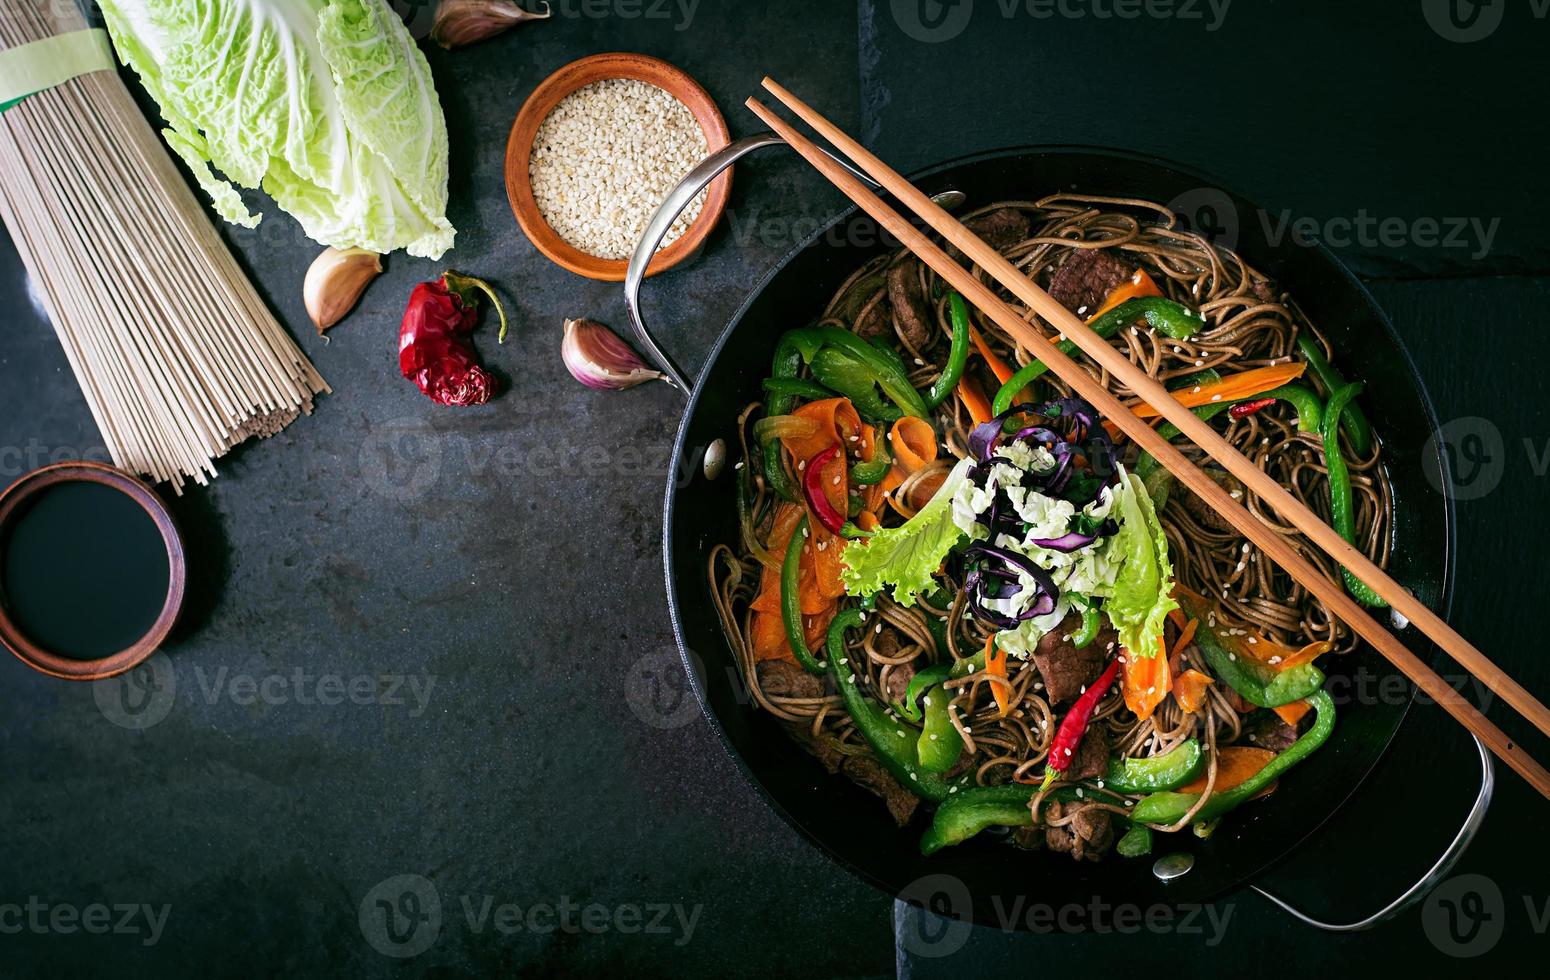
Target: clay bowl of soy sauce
[[91, 570]]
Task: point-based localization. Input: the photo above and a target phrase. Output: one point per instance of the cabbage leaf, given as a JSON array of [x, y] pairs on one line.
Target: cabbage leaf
[[327, 105]]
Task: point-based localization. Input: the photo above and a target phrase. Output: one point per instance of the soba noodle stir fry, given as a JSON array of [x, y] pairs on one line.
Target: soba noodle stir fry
[[958, 586]]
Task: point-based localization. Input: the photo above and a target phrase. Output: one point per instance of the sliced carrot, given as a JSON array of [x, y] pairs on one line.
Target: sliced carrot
[[837, 423], [1146, 681], [913, 443], [769, 638], [1292, 713], [974, 400], [867, 521], [995, 666], [1138, 285], [1189, 689], [1178, 619], [1234, 765], [1244, 384], [815, 628], [768, 599], [998, 367]]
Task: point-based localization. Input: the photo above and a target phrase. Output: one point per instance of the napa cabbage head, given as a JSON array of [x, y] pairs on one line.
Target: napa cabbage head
[[326, 105]]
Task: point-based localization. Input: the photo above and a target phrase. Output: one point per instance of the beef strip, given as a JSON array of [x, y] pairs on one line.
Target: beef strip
[[869, 774], [782, 678], [1203, 513], [1091, 758], [1265, 729], [1065, 669], [1087, 277], [1264, 290], [866, 307], [910, 308], [1001, 229], [1086, 838]]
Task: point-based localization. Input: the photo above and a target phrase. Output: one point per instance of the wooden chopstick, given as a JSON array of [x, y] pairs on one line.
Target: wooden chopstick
[[1272, 544]]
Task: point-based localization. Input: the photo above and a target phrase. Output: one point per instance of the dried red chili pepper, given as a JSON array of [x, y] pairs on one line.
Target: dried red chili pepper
[[1243, 409], [1074, 725], [433, 347]]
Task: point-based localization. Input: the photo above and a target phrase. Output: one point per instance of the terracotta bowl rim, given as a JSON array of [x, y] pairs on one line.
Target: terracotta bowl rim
[[562, 82]]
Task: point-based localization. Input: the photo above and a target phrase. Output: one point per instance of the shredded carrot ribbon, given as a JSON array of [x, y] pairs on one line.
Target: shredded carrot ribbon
[[1292, 713], [974, 400], [1139, 285], [1146, 681], [995, 666], [1234, 765], [1244, 384], [1189, 689]]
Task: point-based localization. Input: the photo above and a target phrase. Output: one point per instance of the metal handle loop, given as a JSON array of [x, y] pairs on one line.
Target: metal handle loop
[[677, 199], [1428, 881]]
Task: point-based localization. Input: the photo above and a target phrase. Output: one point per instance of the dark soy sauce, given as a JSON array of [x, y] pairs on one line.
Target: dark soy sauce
[[85, 570]]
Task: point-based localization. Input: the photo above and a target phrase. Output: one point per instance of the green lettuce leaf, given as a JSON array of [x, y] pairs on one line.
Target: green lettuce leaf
[[905, 558], [327, 105], [1139, 602]]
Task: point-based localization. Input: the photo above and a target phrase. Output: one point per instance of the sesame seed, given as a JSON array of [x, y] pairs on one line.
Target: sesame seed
[[604, 158]]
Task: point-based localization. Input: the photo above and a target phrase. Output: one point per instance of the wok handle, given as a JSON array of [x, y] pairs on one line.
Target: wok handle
[[677, 199], [1428, 881]]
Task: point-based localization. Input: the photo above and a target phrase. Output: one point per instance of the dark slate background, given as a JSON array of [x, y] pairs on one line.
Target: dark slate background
[[493, 576]]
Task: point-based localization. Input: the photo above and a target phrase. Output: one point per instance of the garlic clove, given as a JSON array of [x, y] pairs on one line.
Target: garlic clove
[[335, 282], [597, 358], [460, 22]]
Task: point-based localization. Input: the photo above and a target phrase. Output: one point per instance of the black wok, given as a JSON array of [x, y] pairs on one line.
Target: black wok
[[985, 876]]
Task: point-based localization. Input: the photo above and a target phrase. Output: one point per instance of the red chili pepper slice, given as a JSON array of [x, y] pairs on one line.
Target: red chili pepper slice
[[1243, 409], [1068, 737], [812, 489]]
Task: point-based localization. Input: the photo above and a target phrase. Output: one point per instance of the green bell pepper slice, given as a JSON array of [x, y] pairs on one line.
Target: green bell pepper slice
[[957, 355], [1170, 770], [1342, 510], [889, 739], [791, 600], [972, 810], [1170, 808], [1255, 683], [1161, 314]]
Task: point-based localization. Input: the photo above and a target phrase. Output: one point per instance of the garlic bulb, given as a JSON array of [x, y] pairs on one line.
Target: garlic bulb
[[460, 22], [597, 358], [335, 281]]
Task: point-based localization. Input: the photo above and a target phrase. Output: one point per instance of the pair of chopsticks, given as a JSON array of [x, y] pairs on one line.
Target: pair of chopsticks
[[1153, 393]]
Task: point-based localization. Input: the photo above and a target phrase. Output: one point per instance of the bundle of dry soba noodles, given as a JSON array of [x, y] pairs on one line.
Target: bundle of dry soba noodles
[[176, 354]]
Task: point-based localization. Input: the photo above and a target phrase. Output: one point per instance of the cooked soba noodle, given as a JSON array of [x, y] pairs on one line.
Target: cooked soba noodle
[[1249, 323]]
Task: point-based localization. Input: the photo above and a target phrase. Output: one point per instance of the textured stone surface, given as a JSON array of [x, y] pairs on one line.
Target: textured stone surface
[[506, 559]]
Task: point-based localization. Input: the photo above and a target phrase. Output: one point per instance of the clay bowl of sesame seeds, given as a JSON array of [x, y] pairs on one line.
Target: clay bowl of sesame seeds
[[594, 150]]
